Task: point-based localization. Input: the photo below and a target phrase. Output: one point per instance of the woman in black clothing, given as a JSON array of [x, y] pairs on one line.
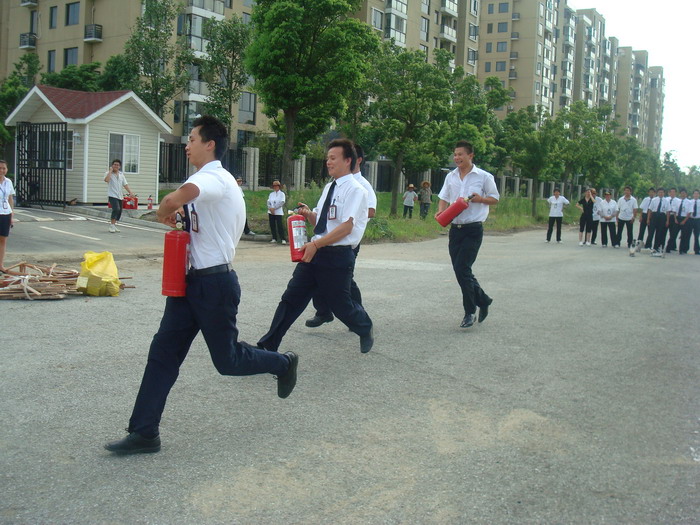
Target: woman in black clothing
[[586, 221]]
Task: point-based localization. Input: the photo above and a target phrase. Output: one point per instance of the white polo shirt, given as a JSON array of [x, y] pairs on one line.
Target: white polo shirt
[[115, 185], [476, 181], [607, 209], [626, 208], [683, 207], [693, 206], [371, 196], [350, 200], [674, 204], [556, 205], [220, 216], [654, 205], [596, 208], [276, 200]]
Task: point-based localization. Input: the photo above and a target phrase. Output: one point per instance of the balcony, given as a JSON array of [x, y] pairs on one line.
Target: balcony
[[215, 6], [397, 7], [449, 7], [28, 3], [513, 55], [93, 33], [512, 74], [514, 35], [27, 41], [449, 34], [515, 16]]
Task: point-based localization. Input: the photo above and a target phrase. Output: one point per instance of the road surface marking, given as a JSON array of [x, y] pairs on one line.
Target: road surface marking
[[70, 233], [126, 225]]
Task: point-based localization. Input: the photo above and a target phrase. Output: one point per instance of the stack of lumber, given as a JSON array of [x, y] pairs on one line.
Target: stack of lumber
[[34, 281]]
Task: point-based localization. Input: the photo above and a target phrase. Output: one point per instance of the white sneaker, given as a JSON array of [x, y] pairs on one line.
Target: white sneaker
[[273, 241], [580, 243], [284, 242], [546, 241], [116, 229], [559, 242], [112, 228], [588, 244]]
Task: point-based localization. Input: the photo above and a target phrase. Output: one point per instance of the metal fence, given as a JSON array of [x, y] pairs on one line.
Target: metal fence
[[42, 158]]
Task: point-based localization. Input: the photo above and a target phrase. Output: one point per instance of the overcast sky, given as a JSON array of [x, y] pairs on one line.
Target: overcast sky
[[668, 30]]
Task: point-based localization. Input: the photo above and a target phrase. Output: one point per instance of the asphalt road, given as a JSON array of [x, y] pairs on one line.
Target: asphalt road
[[576, 401]]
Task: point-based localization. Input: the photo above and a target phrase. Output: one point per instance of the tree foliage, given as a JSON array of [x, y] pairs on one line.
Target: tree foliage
[[120, 73], [14, 88], [162, 63], [305, 56], [84, 77]]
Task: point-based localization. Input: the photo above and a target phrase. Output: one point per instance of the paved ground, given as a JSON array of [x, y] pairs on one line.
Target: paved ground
[[575, 402]]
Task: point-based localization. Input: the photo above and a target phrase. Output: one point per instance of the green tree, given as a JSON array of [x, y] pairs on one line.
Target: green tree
[[14, 88], [223, 67], [120, 72], [412, 109], [80, 78], [163, 63], [305, 56]]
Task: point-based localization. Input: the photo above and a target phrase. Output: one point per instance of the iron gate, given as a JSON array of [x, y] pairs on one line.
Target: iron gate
[[42, 160]]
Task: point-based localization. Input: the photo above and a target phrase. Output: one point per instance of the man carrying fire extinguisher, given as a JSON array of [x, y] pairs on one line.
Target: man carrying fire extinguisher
[[467, 231], [214, 204], [339, 220]]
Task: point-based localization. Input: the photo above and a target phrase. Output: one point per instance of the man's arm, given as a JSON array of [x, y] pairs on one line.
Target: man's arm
[[173, 202], [310, 248], [442, 205]]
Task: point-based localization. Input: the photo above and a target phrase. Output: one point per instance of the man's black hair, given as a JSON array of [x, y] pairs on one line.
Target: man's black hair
[[211, 128], [348, 150], [466, 145]]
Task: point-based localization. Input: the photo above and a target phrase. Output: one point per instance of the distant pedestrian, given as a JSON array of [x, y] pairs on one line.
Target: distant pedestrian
[[596, 216], [643, 218], [556, 213], [409, 198], [275, 212], [7, 203], [115, 194], [692, 227], [608, 220], [657, 220], [585, 223], [246, 229], [425, 198], [626, 213], [674, 226]]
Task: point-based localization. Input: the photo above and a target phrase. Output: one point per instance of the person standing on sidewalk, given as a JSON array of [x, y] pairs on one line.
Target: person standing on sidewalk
[[216, 210], [7, 204], [339, 220], [556, 213], [425, 199], [596, 215], [626, 213], [116, 181], [467, 230], [585, 222], [275, 211], [409, 199]]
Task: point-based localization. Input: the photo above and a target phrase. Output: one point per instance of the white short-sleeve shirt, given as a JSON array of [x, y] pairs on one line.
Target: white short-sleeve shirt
[[6, 191], [596, 208], [556, 205], [654, 205], [476, 181], [626, 208], [276, 201], [645, 204], [371, 195], [115, 185], [607, 209], [220, 216], [350, 201]]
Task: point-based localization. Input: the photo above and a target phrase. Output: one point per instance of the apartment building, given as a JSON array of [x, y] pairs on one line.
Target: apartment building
[[566, 54], [427, 25], [657, 87], [517, 44], [632, 101], [66, 33]]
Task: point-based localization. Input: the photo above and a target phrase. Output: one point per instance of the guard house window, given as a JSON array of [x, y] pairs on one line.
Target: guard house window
[[72, 13], [377, 19], [424, 25], [51, 61], [502, 27], [53, 17], [125, 147], [70, 56], [246, 108]]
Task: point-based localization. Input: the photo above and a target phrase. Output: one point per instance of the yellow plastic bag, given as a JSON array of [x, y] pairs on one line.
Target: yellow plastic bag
[[99, 275]]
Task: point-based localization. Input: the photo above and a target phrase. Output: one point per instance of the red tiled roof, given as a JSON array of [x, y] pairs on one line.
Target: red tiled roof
[[79, 104]]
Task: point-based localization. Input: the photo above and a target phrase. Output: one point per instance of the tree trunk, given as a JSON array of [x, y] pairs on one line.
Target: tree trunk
[[395, 180], [534, 199], [290, 117]]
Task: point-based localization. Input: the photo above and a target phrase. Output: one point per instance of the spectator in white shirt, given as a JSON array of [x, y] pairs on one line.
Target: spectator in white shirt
[[607, 209], [626, 213], [275, 211], [556, 213]]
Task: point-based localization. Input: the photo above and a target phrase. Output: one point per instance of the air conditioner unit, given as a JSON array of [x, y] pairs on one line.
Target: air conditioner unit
[[512, 67]]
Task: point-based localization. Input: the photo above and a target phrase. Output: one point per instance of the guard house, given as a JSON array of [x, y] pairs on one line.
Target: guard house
[[66, 141]]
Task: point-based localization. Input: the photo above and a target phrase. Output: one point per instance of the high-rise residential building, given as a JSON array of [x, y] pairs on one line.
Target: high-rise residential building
[[84, 31], [657, 86], [517, 44], [590, 46], [427, 25], [566, 53], [632, 102]]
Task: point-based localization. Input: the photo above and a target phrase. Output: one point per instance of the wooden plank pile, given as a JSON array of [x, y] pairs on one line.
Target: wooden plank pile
[[33, 281]]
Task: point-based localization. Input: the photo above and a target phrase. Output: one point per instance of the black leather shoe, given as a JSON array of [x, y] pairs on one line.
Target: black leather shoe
[[484, 311], [287, 382], [367, 341], [467, 321], [134, 444], [318, 320]]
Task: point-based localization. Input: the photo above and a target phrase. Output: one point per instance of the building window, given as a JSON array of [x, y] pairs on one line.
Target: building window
[[398, 5], [503, 7], [72, 13], [34, 22], [489, 28], [475, 7], [246, 18], [473, 31], [500, 66], [246, 108], [489, 47], [177, 112], [53, 17], [424, 26], [51, 61], [125, 147], [424, 49], [489, 9], [487, 67], [471, 56], [377, 19], [70, 56], [247, 3], [425, 6], [395, 28], [501, 47], [502, 27]]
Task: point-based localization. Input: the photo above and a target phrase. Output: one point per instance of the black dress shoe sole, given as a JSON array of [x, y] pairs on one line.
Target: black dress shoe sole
[[315, 322], [124, 452]]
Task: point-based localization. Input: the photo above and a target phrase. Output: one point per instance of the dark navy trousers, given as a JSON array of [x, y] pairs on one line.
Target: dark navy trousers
[[329, 274], [320, 303], [211, 305], [464, 245]]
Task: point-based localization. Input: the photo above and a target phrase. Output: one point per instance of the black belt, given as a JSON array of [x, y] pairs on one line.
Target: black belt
[[220, 268], [464, 225], [335, 248]]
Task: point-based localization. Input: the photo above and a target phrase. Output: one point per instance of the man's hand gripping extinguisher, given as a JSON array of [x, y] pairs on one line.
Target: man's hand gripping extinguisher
[[175, 258], [296, 230], [454, 209]]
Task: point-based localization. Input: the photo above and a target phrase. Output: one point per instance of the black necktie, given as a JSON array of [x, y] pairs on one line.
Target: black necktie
[[680, 208], [659, 208], [695, 209], [321, 222]]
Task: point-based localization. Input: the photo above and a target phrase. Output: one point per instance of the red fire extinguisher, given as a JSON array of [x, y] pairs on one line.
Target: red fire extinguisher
[[454, 209], [150, 202], [296, 229], [175, 255]]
